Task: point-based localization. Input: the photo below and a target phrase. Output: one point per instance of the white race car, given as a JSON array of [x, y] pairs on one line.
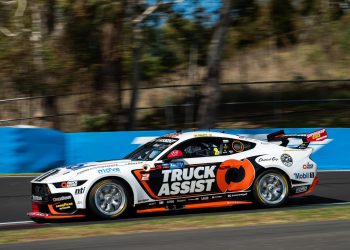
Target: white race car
[[181, 171]]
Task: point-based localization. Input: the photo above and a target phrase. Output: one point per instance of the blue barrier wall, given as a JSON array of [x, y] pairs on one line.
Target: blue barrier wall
[[30, 150], [36, 150], [90, 146]]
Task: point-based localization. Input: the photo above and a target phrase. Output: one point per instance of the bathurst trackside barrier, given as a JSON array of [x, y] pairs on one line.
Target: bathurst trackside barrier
[[30, 150]]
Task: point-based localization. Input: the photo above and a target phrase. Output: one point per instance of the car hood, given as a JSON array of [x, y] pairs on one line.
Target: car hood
[[69, 172]]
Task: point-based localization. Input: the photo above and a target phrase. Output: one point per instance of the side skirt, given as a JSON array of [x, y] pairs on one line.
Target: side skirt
[[194, 202]]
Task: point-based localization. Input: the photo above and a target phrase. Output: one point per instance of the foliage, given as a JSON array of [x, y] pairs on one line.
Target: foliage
[[88, 45]]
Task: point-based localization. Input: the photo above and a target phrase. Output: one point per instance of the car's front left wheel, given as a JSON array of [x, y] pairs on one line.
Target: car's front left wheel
[[109, 199]]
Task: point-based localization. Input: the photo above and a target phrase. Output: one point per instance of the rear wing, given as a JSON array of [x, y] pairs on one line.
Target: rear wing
[[318, 135]]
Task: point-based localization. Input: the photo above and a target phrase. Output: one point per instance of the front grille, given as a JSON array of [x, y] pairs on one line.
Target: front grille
[[40, 192]]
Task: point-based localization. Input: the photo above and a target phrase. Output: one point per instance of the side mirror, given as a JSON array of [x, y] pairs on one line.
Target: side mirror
[[175, 154]]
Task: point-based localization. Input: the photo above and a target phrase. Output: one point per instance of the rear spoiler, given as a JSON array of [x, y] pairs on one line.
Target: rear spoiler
[[318, 135]]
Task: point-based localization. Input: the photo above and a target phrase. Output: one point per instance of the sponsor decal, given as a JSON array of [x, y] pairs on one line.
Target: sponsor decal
[[300, 176], [242, 175], [80, 190], [202, 135], [37, 198], [174, 135], [308, 166], [273, 159], [237, 146], [179, 181], [77, 167], [287, 160], [173, 165], [145, 177], [167, 180], [319, 135], [68, 184], [300, 189], [65, 205], [166, 140], [144, 200], [108, 170], [62, 198], [146, 167]]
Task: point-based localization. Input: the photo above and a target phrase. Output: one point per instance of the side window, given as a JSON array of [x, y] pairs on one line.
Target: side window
[[201, 147], [212, 146], [234, 146]]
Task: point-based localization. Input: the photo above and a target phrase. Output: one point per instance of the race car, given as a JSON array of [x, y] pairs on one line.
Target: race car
[[181, 171]]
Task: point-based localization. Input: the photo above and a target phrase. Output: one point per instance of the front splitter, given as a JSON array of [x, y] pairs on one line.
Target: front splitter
[[39, 215]]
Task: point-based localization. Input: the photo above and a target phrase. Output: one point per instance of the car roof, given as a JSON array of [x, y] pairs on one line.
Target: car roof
[[197, 134]]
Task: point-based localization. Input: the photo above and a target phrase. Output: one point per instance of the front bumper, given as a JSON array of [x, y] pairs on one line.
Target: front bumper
[[46, 205], [46, 211]]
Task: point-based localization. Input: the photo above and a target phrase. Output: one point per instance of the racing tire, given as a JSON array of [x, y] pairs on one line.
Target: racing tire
[[271, 189], [109, 199]]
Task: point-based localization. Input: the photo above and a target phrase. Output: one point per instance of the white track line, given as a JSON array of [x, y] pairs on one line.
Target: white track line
[[16, 222], [337, 203]]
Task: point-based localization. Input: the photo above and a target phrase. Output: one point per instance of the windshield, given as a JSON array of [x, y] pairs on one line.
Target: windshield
[[151, 150]]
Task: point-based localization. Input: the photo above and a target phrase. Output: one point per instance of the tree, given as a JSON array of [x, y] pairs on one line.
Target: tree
[[282, 19], [211, 92]]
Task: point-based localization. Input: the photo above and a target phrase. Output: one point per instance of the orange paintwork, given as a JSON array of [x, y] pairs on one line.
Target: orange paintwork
[[152, 210], [233, 186]]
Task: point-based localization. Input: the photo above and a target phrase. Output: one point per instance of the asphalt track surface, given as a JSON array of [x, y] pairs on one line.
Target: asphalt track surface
[[15, 201], [319, 235]]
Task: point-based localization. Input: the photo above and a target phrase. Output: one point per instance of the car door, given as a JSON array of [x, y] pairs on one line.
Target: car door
[[195, 172], [208, 165]]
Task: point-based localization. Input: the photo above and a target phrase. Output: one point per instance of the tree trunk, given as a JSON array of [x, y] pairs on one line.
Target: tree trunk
[[211, 92], [112, 58], [49, 103]]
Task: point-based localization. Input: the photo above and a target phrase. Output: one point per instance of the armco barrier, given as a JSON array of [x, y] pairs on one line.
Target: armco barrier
[[36, 150]]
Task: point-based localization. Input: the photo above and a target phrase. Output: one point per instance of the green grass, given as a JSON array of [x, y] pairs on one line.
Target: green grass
[[264, 217], [22, 174]]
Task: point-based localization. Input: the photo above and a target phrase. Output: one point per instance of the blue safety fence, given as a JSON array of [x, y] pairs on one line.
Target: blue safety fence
[[30, 150], [24, 150]]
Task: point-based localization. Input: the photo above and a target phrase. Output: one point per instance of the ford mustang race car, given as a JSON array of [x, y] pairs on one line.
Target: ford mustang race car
[[181, 171]]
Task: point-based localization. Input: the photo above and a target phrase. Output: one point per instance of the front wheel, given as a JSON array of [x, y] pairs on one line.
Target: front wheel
[[109, 199], [271, 189]]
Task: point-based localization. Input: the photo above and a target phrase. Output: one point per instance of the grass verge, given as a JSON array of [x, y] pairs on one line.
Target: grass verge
[[179, 223], [21, 174]]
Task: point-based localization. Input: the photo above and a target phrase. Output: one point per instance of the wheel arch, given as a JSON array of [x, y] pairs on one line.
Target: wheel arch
[[122, 180], [262, 170]]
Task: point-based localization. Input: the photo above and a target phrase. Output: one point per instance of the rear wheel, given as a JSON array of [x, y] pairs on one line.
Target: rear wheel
[[109, 199], [271, 189]]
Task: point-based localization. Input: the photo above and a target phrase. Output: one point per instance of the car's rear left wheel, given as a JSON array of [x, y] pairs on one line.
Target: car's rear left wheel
[[271, 189], [109, 199]]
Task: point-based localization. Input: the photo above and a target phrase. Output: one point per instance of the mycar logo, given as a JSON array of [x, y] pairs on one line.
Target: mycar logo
[[108, 170]]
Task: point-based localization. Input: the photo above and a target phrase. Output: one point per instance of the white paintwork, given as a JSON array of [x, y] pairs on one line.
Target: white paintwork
[[90, 170]]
